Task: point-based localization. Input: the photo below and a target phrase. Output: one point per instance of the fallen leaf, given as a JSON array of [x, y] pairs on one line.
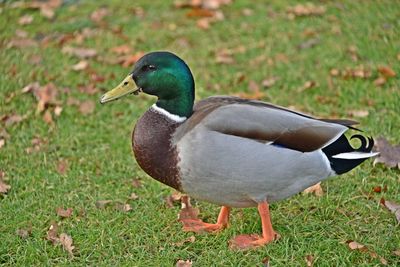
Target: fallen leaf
[[4, 187], [25, 20], [99, 14], [203, 23], [184, 263], [380, 81], [190, 239], [45, 95], [224, 56], [136, 183], [255, 94], [2, 143], [174, 197], [388, 155], [24, 233], [48, 118], [57, 111], [396, 252], [101, 204], [122, 49], [358, 113], [386, 71], [309, 43], [9, 120], [66, 241], [81, 65], [133, 196], [307, 9], [37, 144], [354, 245], [315, 189], [309, 260], [87, 107], [265, 262], [21, 43], [128, 61], [79, 52], [379, 189], [393, 207], [64, 213], [267, 83], [52, 233], [124, 207]]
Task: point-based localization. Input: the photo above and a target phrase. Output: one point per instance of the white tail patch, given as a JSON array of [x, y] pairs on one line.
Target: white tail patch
[[355, 155]]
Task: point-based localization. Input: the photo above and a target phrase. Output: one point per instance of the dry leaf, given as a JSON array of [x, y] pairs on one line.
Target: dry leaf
[[224, 56], [267, 83], [184, 263], [21, 43], [308, 85], [101, 204], [12, 119], [133, 196], [174, 197], [123, 207], [315, 189], [24, 233], [81, 65], [64, 213], [309, 260], [3, 186], [396, 252], [37, 144], [2, 143], [122, 49], [57, 111], [354, 245], [87, 107], [128, 61], [79, 52], [48, 118], [25, 20], [45, 95], [99, 14], [203, 23], [388, 155], [393, 207], [358, 113], [52, 233], [66, 241], [386, 71], [309, 43], [136, 183], [307, 9], [89, 89]]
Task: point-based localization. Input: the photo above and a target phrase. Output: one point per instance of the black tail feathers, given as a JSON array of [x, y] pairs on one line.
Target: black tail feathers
[[342, 145]]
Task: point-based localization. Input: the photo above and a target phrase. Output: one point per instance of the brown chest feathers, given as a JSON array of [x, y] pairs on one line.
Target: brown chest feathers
[[151, 143]]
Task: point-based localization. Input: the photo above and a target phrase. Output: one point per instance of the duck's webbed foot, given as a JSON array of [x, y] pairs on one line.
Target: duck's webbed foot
[[253, 240]]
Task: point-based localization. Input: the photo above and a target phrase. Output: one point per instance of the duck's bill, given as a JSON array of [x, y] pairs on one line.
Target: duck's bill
[[126, 87]]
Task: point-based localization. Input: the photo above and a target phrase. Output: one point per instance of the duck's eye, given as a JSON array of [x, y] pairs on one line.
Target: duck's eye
[[148, 67]]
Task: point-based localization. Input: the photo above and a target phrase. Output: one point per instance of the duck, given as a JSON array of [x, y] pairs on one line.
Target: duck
[[230, 151]]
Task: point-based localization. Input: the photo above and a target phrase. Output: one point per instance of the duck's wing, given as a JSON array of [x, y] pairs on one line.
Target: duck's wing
[[264, 122]]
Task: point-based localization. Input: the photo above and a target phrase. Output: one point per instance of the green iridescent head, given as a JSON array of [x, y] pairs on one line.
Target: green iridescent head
[[161, 74]]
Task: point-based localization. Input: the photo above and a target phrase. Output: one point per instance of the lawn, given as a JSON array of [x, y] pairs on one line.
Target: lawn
[[68, 151]]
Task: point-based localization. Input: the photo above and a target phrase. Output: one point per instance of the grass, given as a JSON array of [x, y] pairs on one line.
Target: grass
[[97, 146]]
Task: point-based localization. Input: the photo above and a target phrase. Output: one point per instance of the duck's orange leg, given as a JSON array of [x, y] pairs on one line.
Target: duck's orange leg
[[197, 225], [254, 240]]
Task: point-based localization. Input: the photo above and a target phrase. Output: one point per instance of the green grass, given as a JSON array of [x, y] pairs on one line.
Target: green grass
[[97, 146]]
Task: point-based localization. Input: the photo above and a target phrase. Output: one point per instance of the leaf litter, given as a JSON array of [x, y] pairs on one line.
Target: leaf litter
[[389, 154]]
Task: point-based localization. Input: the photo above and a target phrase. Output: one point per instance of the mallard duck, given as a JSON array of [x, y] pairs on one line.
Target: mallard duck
[[231, 151]]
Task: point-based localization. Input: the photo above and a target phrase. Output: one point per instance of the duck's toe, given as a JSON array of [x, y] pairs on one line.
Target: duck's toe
[[243, 242]]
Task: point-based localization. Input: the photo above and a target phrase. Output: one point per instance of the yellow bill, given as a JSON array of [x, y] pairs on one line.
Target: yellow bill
[[127, 86]]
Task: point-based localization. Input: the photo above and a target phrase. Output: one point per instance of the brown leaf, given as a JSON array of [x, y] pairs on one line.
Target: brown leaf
[[45, 95], [12, 119], [354, 245], [184, 263], [187, 211], [308, 85], [136, 183], [3, 186], [200, 12], [89, 89], [57, 111], [99, 14], [2, 142], [123, 207], [224, 56], [133, 196], [174, 197], [386, 71], [122, 49], [66, 241], [81, 65], [52, 233], [128, 61], [267, 83], [25, 20], [101, 204], [24, 233], [87, 107], [315, 189], [358, 113], [37, 144], [388, 155], [203, 23], [64, 213], [309, 43], [48, 118], [396, 252], [380, 81], [307, 9], [21, 43], [309, 260], [255, 94], [79, 52], [393, 207]]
